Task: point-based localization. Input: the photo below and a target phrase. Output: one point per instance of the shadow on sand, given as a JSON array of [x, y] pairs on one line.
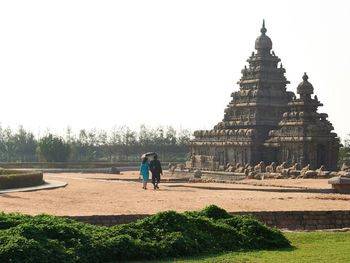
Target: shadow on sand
[[260, 189]]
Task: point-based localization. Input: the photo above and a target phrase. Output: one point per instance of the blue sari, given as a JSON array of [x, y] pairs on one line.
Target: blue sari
[[144, 169]]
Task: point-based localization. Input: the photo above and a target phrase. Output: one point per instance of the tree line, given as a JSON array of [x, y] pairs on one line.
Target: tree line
[[120, 144]]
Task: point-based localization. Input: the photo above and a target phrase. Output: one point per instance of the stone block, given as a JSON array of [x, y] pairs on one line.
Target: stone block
[[340, 184], [114, 170]]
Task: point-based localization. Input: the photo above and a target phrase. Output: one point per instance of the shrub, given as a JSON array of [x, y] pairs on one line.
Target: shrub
[[17, 178], [47, 238], [214, 212], [256, 235]]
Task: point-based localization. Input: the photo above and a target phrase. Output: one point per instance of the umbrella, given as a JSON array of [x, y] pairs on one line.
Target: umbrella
[[148, 154]]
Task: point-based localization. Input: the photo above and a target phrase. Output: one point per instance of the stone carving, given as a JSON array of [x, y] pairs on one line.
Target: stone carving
[[242, 170], [271, 168], [296, 167], [324, 174], [309, 174], [180, 166], [343, 174], [322, 168], [260, 168], [230, 168], [251, 175], [345, 167], [293, 173], [258, 176], [238, 165], [197, 174], [333, 174], [281, 168], [304, 170], [171, 168]]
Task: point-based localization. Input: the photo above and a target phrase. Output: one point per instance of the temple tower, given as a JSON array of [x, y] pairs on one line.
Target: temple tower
[[254, 110], [305, 136], [262, 97]]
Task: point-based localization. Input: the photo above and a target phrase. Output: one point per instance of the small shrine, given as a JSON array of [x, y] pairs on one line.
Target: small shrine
[[305, 136]]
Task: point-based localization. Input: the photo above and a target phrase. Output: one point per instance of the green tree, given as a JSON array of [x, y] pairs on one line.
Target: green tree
[[170, 136], [114, 144], [129, 142], [145, 136], [3, 148], [53, 149], [10, 145], [184, 137], [25, 145]]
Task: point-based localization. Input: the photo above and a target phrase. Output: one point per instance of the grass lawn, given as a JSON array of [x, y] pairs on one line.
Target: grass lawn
[[307, 247]]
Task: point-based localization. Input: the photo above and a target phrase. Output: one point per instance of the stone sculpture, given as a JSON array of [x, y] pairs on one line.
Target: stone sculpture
[[280, 168], [260, 168], [271, 168]]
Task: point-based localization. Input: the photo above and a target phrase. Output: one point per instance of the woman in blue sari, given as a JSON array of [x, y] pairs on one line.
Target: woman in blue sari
[[144, 172]]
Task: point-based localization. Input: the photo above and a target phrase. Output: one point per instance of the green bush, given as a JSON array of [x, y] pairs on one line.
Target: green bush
[[17, 178], [214, 212], [47, 238], [255, 235]]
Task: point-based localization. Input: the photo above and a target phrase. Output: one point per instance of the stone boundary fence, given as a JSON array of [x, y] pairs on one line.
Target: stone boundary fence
[[291, 220]]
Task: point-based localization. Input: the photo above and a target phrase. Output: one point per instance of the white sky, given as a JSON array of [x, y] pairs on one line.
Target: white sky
[[95, 64]]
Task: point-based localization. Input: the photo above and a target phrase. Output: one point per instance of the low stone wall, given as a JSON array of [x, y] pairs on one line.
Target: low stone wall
[[291, 220], [109, 170], [304, 220]]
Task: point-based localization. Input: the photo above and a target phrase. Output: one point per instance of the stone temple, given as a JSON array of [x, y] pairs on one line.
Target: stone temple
[[265, 122]]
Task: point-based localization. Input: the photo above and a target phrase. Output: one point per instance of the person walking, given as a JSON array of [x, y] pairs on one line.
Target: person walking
[[156, 170], [144, 172]]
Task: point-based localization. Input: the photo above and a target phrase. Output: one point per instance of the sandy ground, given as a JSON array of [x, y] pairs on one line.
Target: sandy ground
[[103, 194]]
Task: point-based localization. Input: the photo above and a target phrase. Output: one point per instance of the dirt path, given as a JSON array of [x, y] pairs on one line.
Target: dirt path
[[103, 194]]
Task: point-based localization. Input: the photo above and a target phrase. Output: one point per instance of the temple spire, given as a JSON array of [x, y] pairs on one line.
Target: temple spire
[[263, 29], [263, 43], [305, 77], [305, 88]]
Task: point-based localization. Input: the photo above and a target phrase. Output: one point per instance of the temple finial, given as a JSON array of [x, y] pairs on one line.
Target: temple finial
[[263, 29], [305, 77]]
